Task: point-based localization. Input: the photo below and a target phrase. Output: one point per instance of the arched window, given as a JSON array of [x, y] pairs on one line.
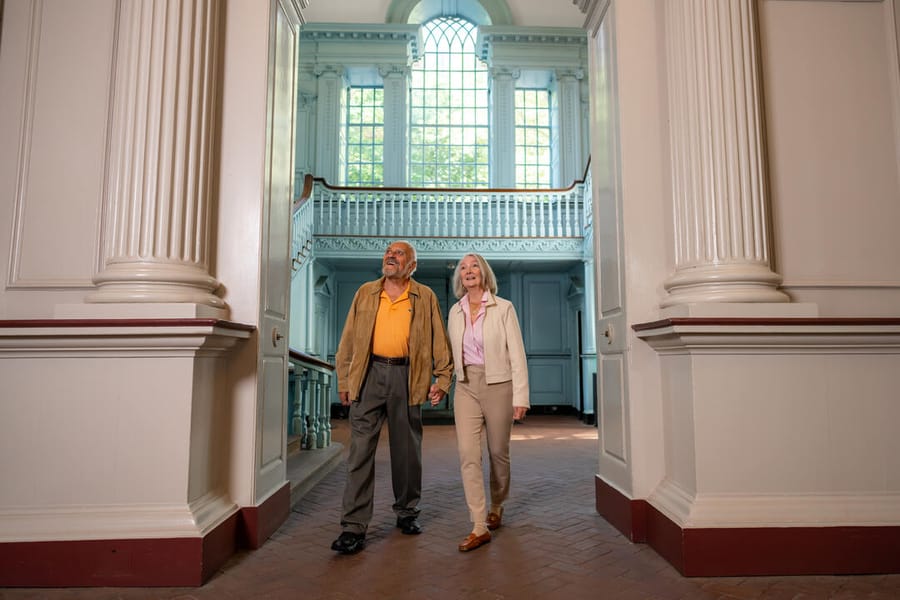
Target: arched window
[[449, 129]]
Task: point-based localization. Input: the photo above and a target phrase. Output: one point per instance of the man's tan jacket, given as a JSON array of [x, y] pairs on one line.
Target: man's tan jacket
[[429, 348]]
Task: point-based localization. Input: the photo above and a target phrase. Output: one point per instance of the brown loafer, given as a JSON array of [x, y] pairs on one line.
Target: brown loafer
[[473, 541], [493, 521]]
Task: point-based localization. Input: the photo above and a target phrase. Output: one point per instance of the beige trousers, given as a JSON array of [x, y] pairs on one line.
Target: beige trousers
[[483, 411]]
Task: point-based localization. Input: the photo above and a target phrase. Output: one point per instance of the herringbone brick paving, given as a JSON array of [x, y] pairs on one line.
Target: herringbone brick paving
[[552, 544]]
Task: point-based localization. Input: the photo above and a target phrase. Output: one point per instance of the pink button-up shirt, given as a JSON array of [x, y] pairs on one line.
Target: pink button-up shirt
[[473, 338]]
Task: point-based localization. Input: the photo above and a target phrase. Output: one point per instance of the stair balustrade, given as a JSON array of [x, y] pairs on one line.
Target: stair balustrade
[[309, 404]]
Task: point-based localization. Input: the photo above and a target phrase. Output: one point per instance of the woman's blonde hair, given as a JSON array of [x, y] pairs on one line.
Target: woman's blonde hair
[[488, 279]]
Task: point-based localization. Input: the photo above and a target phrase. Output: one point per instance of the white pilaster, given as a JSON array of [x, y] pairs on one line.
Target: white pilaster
[[503, 127], [571, 113], [159, 167], [719, 179], [304, 148], [328, 123], [396, 85]]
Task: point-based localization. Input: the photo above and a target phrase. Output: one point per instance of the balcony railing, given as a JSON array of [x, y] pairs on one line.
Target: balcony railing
[[326, 210]]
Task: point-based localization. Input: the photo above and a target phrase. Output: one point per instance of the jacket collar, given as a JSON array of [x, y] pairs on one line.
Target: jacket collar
[[491, 301], [378, 285]]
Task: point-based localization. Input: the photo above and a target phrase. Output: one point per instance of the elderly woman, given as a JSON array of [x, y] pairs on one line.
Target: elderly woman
[[491, 389]]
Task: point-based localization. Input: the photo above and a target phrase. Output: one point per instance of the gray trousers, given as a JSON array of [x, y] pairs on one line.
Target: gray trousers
[[384, 395]]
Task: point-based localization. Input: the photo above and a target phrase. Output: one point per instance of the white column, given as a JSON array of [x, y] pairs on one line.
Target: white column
[[503, 127], [160, 165], [719, 180], [395, 93], [571, 164], [328, 123]]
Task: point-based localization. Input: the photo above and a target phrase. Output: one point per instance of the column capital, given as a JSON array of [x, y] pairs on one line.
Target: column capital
[[505, 73], [393, 70], [569, 74], [328, 70]]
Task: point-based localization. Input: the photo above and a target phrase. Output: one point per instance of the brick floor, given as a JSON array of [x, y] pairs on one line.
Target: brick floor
[[552, 543]]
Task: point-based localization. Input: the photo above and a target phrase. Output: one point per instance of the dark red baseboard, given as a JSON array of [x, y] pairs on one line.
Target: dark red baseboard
[[169, 562], [117, 563], [625, 514], [742, 551], [258, 523]]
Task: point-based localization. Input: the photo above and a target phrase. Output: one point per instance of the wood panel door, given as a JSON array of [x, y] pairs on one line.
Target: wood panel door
[[275, 273], [611, 321]]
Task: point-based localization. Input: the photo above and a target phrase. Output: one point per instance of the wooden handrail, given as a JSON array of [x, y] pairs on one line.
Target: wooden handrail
[[305, 193], [308, 179], [309, 359]]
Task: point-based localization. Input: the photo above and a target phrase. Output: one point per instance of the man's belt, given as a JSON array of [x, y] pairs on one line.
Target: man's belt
[[391, 360]]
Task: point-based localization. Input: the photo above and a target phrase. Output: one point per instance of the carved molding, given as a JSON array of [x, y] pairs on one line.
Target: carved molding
[[549, 247], [478, 11]]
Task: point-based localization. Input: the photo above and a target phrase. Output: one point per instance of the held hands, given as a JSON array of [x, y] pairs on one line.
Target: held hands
[[519, 413], [345, 398], [435, 394]]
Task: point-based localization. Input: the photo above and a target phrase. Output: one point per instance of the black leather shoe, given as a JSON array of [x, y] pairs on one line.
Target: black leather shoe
[[409, 525], [349, 543]]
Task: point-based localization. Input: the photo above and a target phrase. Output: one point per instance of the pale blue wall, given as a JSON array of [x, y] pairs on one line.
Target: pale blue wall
[[547, 316]]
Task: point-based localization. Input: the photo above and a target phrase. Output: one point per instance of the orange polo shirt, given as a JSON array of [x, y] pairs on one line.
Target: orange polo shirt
[[392, 323]]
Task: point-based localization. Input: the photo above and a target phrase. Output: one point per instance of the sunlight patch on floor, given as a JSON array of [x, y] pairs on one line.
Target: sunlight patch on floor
[[572, 436]]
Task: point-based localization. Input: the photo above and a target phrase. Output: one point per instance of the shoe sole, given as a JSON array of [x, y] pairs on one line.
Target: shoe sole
[[355, 547], [351, 550], [469, 549], [407, 531]]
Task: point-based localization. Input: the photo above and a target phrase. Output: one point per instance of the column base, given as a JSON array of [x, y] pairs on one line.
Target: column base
[[155, 282], [731, 282]]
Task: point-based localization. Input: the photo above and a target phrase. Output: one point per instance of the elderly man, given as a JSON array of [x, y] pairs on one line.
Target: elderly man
[[394, 343]]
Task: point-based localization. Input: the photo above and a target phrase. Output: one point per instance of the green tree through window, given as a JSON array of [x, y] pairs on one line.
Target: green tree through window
[[448, 109]]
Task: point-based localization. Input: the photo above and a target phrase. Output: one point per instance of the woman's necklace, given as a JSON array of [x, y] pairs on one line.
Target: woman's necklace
[[474, 307]]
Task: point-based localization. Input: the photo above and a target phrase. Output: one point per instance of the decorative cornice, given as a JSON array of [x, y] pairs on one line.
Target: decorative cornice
[[552, 36], [532, 35], [348, 33]]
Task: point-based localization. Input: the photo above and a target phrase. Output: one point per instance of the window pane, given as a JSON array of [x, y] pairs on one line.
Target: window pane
[[363, 137], [533, 137], [448, 143]]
